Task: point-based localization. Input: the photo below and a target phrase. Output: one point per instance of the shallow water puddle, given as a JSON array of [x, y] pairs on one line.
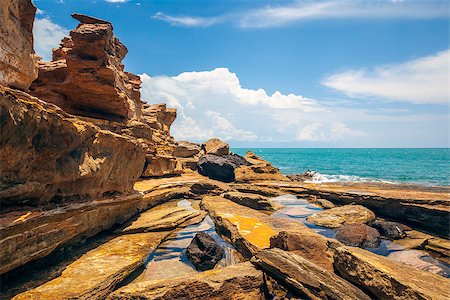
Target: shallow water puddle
[[299, 209], [169, 259]]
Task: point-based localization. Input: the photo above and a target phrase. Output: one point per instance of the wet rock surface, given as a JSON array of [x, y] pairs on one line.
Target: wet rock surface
[[422, 261], [204, 252], [241, 281], [392, 230], [338, 216], [94, 274], [304, 277], [358, 235], [386, 279]]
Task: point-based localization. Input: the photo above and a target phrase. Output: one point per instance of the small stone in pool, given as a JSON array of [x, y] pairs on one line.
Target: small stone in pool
[[391, 230], [204, 252], [358, 235]]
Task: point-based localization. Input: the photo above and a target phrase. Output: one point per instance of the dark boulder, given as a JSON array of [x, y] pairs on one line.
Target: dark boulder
[[358, 235], [391, 230], [204, 252], [220, 167]]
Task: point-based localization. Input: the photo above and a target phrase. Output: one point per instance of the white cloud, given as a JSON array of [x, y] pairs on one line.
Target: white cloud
[[213, 103], [422, 80], [324, 132], [116, 1], [47, 35], [279, 15], [186, 20]]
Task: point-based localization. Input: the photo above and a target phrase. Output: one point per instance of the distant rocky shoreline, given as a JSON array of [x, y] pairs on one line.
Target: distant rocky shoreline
[[98, 200]]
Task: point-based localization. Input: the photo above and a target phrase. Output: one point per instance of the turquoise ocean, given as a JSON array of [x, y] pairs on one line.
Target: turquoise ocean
[[424, 166]]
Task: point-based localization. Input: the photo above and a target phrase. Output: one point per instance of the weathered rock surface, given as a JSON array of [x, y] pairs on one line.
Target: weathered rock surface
[[391, 230], [28, 235], [209, 186], [304, 277], [256, 189], [325, 203], [425, 208], [89, 78], [162, 217], [358, 235], [186, 149], [95, 274], [216, 147], [156, 166], [254, 201], [314, 247], [386, 279], [220, 167], [204, 252], [249, 230], [241, 281], [18, 67], [50, 158], [338, 216], [257, 169]]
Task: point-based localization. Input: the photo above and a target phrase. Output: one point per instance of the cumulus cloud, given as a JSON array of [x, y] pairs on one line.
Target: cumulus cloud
[[116, 1], [422, 80], [47, 35], [213, 103], [296, 11]]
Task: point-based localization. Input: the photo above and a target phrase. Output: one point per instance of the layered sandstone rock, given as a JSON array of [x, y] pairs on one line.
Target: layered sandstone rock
[[49, 157], [316, 248], [18, 66], [87, 77], [254, 201], [241, 281], [32, 234], [338, 216], [386, 279], [305, 278], [216, 147], [95, 274], [258, 169]]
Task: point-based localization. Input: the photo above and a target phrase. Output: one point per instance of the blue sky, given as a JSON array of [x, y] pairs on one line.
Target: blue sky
[[283, 73]]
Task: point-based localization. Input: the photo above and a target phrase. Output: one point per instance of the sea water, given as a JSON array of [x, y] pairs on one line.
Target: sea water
[[426, 166]]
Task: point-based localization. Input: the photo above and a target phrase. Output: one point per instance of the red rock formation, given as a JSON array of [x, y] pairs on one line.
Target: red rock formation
[[17, 59], [49, 157], [87, 77]]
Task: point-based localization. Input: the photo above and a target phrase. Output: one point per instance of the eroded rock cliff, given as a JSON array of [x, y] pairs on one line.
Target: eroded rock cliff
[[17, 59]]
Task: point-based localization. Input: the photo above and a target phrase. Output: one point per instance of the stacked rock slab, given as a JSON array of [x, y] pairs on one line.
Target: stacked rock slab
[[17, 60], [69, 157], [86, 76]]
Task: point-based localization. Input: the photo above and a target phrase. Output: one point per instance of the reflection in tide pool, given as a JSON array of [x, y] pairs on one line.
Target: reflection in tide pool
[[299, 209], [169, 259]]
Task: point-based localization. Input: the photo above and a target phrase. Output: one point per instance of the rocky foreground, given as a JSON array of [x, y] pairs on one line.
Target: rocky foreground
[[98, 201]]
